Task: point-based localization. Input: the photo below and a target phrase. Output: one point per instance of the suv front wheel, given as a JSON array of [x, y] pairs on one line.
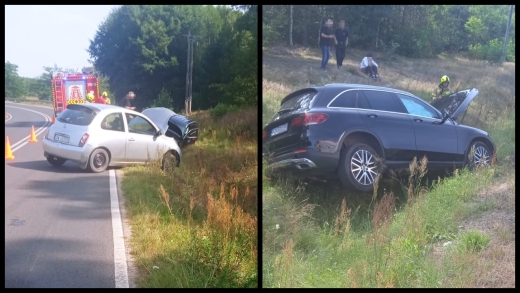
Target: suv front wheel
[[358, 167]]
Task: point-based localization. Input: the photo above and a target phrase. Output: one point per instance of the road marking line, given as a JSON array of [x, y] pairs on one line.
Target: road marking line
[[10, 116], [40, 106], [19, 144], [121, 270]]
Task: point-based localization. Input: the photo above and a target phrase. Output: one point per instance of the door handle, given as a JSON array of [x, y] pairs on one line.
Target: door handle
[[417, 120], [131, 139], [372, 115]]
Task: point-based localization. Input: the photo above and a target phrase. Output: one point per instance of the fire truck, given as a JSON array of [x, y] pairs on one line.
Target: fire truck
[[72, 88]]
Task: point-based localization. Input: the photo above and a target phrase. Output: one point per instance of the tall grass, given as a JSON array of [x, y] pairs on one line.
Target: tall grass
[[197, 225], [320, 235]]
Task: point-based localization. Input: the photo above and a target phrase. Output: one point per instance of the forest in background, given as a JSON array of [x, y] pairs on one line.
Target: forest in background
[[417, 31], [143, 48]]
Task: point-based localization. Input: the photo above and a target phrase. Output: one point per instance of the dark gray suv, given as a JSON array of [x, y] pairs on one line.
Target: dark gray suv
[[344, 130]]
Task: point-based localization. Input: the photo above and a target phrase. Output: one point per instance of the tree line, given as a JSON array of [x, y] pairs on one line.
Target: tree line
[[409, 30], [143, 48]]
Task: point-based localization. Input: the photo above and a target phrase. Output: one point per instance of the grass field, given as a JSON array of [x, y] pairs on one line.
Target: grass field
[[421, 231], [197, 226]]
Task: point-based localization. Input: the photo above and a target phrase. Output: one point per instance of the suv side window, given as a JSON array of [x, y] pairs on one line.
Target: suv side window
[[416, 107], [114, 122], [345, 100], [383, 101], [139, 125]]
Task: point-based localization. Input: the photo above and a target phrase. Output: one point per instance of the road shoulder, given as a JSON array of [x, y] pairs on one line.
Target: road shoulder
[[127, 231]]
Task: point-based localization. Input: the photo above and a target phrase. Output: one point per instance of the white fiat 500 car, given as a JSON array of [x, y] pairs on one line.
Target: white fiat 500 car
[[96, 136]]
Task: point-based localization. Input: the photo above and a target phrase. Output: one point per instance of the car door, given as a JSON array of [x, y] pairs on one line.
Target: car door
[[115, 137], [385, 117], [142, 142], [437, 141]]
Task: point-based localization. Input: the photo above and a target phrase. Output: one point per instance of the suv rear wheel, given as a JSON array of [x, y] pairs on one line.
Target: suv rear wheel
[[358, 167]]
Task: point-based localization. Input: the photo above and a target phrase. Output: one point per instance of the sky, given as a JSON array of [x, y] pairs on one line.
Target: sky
[[44, 35]]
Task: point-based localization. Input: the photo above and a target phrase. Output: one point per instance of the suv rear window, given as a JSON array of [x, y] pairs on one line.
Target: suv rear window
[[300, 101], [77, 115]]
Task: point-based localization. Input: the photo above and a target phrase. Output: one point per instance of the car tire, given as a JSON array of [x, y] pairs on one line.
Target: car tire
[[98, 161], [481, 157], [352, 165], [56, 161], [169, 162]]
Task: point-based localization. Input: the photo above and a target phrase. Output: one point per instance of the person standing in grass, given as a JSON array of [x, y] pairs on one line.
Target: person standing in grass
[[341, 41], [369, 66], [326, 38], [443, 89]]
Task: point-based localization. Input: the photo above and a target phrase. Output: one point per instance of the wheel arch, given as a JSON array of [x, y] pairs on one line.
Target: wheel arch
[[176, 155], [484, 140], [363, 136]]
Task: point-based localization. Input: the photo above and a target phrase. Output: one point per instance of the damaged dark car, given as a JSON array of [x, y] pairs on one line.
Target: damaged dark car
[[345, 132], [183, 129]]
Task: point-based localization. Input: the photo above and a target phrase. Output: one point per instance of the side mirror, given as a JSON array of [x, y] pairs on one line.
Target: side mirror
[[445, 117], [158, 133]]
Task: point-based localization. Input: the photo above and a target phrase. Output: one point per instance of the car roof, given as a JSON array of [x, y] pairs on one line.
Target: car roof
[[101, 107], [359, 86]]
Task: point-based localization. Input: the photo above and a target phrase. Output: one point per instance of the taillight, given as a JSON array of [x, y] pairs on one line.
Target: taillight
[[83, 140], [309, 119]]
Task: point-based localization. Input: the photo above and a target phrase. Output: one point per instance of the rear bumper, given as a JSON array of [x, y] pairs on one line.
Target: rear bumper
[[71, 153], [310, 162]]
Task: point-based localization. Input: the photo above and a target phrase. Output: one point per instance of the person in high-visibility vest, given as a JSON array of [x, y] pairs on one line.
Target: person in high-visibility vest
[[443, 89], [105, 96], [90, 97], [103, 99]]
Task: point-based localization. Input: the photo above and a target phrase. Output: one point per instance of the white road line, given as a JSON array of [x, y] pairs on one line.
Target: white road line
[[121, 270], [19, 144], [40, 106], [10, 116]]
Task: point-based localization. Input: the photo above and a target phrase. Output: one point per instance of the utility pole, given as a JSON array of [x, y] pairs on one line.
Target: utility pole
[[189, 73], [503, 59]]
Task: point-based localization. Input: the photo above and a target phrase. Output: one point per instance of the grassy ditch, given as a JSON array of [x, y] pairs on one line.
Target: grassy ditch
[[197, 226], [411, 232]]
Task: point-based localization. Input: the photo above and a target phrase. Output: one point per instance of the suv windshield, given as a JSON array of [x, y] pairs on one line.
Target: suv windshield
[[77, 115]]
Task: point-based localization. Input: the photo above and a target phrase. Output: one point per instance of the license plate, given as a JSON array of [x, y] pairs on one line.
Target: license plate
[[279, 129], [61, 138]]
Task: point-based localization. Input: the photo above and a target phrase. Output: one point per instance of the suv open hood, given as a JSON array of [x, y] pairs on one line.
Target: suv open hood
[[456, 103]]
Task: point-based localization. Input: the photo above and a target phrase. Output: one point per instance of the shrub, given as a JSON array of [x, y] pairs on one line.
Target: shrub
[[221, 109]]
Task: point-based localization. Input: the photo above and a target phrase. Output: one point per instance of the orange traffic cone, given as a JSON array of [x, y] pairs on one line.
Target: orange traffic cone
[[8, 152], [33, 135], [52, 120]]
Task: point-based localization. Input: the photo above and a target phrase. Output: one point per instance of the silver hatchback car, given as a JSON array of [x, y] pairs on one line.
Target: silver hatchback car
[[96, 136]]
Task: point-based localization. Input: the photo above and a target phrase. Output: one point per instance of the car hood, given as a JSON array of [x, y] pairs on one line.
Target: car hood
[[456, 103], [159, 116]]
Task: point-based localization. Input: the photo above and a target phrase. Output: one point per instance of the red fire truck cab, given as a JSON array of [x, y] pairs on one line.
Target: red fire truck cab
[[72, 88]]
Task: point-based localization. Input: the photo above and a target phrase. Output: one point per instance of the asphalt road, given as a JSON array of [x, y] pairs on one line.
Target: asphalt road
[[58, 220]]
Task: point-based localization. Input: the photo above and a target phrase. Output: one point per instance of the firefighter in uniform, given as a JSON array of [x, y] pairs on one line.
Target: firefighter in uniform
[[443, 90], [90, 97], [105, 95]]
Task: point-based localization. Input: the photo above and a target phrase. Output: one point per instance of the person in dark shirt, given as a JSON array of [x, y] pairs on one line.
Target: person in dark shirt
[[125, 102], [341, 41], [326, 37]]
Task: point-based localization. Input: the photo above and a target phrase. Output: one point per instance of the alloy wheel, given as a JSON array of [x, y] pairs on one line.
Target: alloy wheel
[[481, 156], [363, 167]]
